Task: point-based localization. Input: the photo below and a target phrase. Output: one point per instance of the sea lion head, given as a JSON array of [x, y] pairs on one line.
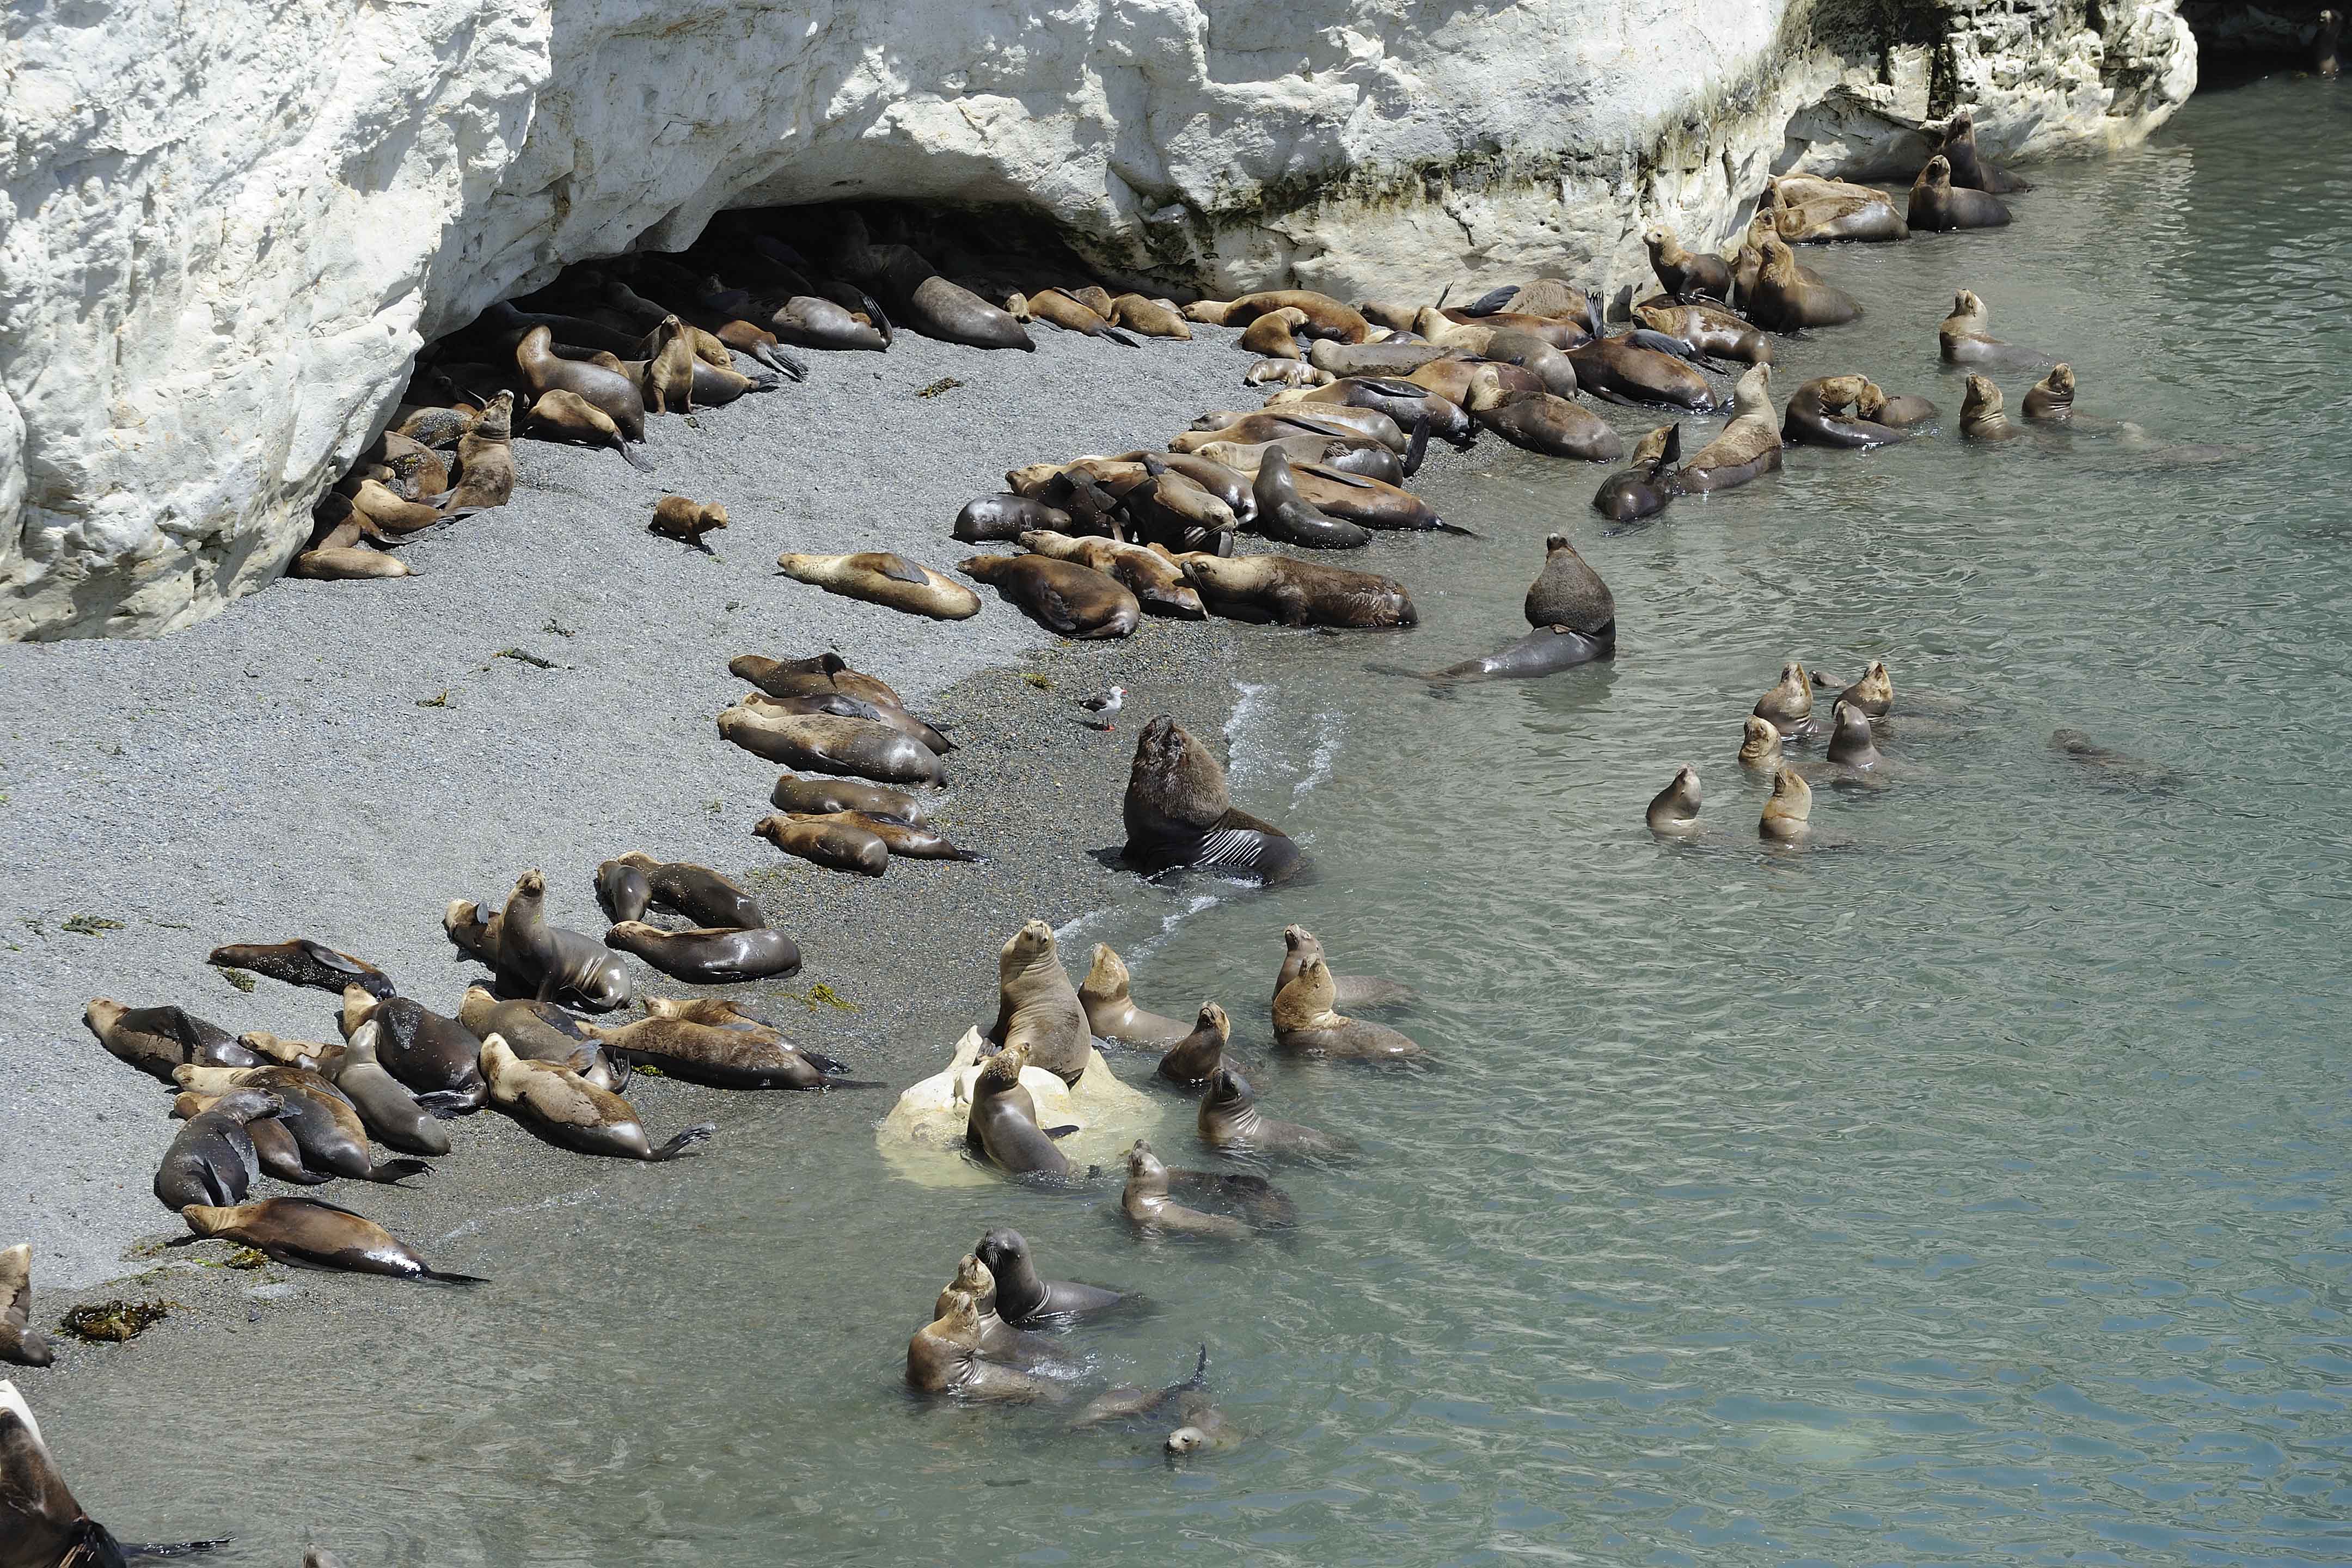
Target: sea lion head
[[1876, 688], [1841, 391], [359, 1004], [498, 1060], [1937, 175], [243, 1105], [1869, 399], [207, 1080], [1143, 1166], [1228, 1088], [1186, 1440], [1963, 125], [208, 1219], [1790, 700], [958, 1314], [1484, 391], [1027, 947], [999, 1245], [1759, 743], [1653, 446], [1674, 808], [1000, 1073], [1174, 776], [1779, 262], [1568, 592], [2060, 383], [1298, 939], [1792, 798], [1212, 1017], [1752, 394], [972, 1279], [1107, 975], [1850, 739]]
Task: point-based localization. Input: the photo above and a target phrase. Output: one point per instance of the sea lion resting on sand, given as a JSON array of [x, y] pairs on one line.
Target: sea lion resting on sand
[[567, 1109], [1294, 592], [1179, 814]]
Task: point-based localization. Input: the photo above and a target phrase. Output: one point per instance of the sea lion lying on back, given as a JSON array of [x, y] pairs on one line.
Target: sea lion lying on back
[[1179, 814]]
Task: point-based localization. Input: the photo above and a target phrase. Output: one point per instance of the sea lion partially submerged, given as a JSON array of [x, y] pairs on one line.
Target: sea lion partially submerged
[[1301, 947], [1241, 1205], [1645, 488], [1230, 1120], [1786, 814], [1937, 203], [1190, 1060], [1784, 300], [1872, 693], [1674, 810], [1982, 416], [1817, 415], [1305, 1024], [1574, 616], [1969, 166], [943, 1357], [1111, 1012], [1759, 743], [1002, 1123], [2051, 400], [1789, 706], [1179, 814], [1965, 337], [1022, 1298]]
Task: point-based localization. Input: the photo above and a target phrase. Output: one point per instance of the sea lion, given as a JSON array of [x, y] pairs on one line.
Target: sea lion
[[315, 1236], [1816, 415], [1066, 597], [1336, 421], [1179, 814], [1899, 411], [387, 512], [1038, 1010], [1230, 1120], [610, 392], [827, 744], [561, 415], [1072, 314], [1293, 592], [1324, 317], [1156, 581], [539, 1031], [821, 797], [1784, 300], [346, 563], [1347, 454], [884, 578], [1190, 1060], [1872, 693], [1744, 449], [943, 1358], [676, 517], [1129, 1402], [1111, 1009], [1543, 423], [831, 841], [1618, 371], [1223, 485], [1574, 616], [1148, 1200], [711, 955], [919, 297], [1789, 706], [486, 470], [629, 884], [1550, 297], [1305, 1024], [1963, 337], [1759, 743], [391, 1115], [1405, 402], [1152, 318], [1558, 332], [1852, 745], [848, 693], [325, 1125], [156, 1040], [1786, 813], [1301, 947], [41, 1525], [1022, 1298], [1940, 206], [1684, 273], [1269, 336], [1396, 357], [1982, 417], [1674, 810], [305, 963], [1850, 212], [1003, 1125], [715, 1055], [536, 958], [2324, 45], [2125, 770], [437, 1059], [20, 1341], [2051, 400], [1970, 167], [566, 1108], [1645, 488], [1706, 328], [991, 520], [905, 840], [1203, 1428], [990, 1334], [809, 322], [211, 1160], [1285, 372], [1286, 516]]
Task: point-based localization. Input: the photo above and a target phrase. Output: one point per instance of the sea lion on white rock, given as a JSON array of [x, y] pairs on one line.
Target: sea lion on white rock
[[923, 1136], [1674, 810], [1111, 1012], [1179, 814], [1305, 1025], [1002, 1123], [1037, 1009], [886, 578]]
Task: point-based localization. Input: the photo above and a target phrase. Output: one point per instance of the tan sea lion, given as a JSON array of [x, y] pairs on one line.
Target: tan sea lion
[[1294, 592], [882, 577], [905, 840], [1269, 336], [1816, 414], [941, 1358], [612, 392], [1619, 370], [1965, 337], [1301, 947], [827, 744], [20, 1341], [1325, 317], [2051, 400], [823, 796], [1674, 810], [1003, 1125], [1982, 417], [1938, 205], [1177, 812], [1821, 217], [676, 517], [1073, 314], [486, 470], [1706, 328], [722, 1057], [1038, 1010], [1746, 448], [1786, 813], [1969, 166], [1789, 706], [1155, 580], [156, 1040], [562, 414], [1152, 318], [1304, 1023], [1111, 1012], [346, 563], [325, 1125], [1189, 1062], [315, 1236], [1148, 1208], [1784, 300], [1685, 274], [1759, 743], [1066, 597], [832, 840], [387, 513], [1872, 692], [566, 1108], [1285, 372]]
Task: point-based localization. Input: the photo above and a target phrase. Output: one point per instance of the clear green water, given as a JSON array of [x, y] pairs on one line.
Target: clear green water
[[1973, 1193]]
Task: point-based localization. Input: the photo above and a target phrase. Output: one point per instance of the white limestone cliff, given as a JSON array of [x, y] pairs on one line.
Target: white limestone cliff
[[225, 231]]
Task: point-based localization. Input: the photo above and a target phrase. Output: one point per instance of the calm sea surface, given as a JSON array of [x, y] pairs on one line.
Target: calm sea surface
[[1971, 1192]]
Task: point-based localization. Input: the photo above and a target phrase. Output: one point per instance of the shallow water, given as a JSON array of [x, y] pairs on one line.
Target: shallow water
[[1971, 1192]]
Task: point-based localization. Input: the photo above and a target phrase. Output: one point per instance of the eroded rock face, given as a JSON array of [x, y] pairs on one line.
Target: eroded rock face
[[227, 230]]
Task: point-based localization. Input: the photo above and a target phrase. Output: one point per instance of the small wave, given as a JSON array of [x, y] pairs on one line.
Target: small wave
[[1174, 918], [1250, 697], [1327, 751], [1078, 923], [559, 1201]]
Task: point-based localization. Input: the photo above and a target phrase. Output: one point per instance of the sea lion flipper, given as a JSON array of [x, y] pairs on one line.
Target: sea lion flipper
[[392, 1172], [440, 1277], [898, 568], [1062, 1132], [636, 459]]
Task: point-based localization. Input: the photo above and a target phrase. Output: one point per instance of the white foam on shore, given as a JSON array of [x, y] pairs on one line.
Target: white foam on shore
[[1327, 751]]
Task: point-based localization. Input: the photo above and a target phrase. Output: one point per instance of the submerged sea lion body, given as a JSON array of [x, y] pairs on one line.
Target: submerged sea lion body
[[1785, 300], [1982, 417], [1179, 814], [1786, 814], [944, 1357], [1937, 203], [1305, 1025], [1230, 1120], [1150, 1200], [1965, 338], [1674, 810]]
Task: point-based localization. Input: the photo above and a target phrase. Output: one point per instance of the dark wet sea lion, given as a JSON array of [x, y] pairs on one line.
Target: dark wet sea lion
[[1190, 1060], [1619, 372], [41, 1525], [305, 963], [1305, 1025], [1574, 616], [325, 1124], [1745, 449], [822, 796], [1241, 1204], [2051, 400], [628, 884], [559, 1105], [1684, 273], [1111, 1009], [1645, 488], [944, 1357], [719, 1056], [211, 1160], [885, 578], [1301, 947], [1938, 205], [1786, 814], [1674, 810], [1294, 592], [1785, 300], [825, 743], [1155, 579], [437, 1059], [1968, 165], [1789, 706], [1230, 1120], [1000, 1124], [1852, 743], [1285, 516], [391, 1114], [996, 519], [1982, 417], [20, 1341], [1179, 814], [829, 840], [1817, 415], [1022, 1298], [1038, 1010], [1063, 596], [2325, 44], [709, 955], [156, 1040], [1405, 402], [315, 1235], [2104, 762], [1541, 423]]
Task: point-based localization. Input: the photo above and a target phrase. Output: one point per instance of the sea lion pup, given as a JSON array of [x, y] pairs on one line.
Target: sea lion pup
[[1816, 415], [627, 885], [1684, 273], [1759, 743], [1574, 616], [1325, 317], [1204, 1428], [346, 563], [1003, 1126], [436, 1060], [20, 1341], [212, 1158], [716, 1055], [486, 470], [1152, 318], [1291, 593], [1022, 1298], [1872, 693], [1543, 423], [325, 1125], [156, 1040], [1066, 597], [1301, 947], [1179, 814], [1287, 372], [1674, 810], [1645, 488], [1964, 338], [831, 841], [1940, 206], [1789, 706], [1619, 370], [1786, 813], [1784, 300], [885, 578], [903, 839], [540, 1031], [1706, 328], [676, 517], [1968, 165], [315, 1236], [1744, 449], [1982, 417], [828, 744], [2051, 400], [822, 797], [1270, 336], [1286, 516], [566, 967], [1230, 1120], [1305, 1024], [917, 297], [991, 520], [943, 1357], [1111, 1009], [1149, 1200], [391, 1115], [305, 963], [566, 1108], [1038, 1010], [709, 955], [1190, 1060], [1157, 582]]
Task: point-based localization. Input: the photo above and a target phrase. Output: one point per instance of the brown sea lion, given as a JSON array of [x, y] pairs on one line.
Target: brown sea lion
[[1543, 423], [1706, 329], [1111, 1012], [1245, 1204], [1674, 810], [1619, 370], [1789, 706], [1746, 448], [1574, 616], [943, 1358], [612, 392], [1305, 1023], [1066, 597], [1852, 744], [394, 1117], [823, 796], [827, 744], [1964, 338], [1399, 356], [1294, 592], [1759, 743], [1686, 274], [1230, 1120], [1301, 947], [1982, 417], [709, 955], [905, 840], [918, 296], [1817, 414], [992, 1336], [627, 885], [1038, 1010], [716, 1055], [2051, 400], [436, 1060], [882, 577], [346, 563], [993, 519], [829, 840], [1969, 166], [1155, 580], [302, 962], [1278, 421], [1073, 314], [315, 1236], [486, 470], [561, 415], [1325, 317], [1786, 814], [1152, 318], [547, 961], [1001, 1125], [844, 693], [1285, 372], [1940, 206], [325, 1125], [1189, 1062], [566, 1110], [1872, 694], [1269, 336], [1179, 814], [20, 1341], [1784, 300], [1023, 1298], [1406, 404], [1810, 213], [676, 517], [157, 1040]]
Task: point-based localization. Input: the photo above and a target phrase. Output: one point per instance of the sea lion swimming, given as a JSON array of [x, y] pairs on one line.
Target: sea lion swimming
[[943, 1357], [629, 884], [1744, 449], [1022, 1298], [212, 1158], [1684, 273], [717, 1056], [992, 1335], [41, 1525], [1982, 417], [2123, 770], [1674, 810], [1128, 1403], [316, 1236], [1305, 1024], [2051, 400], [535, 958], [1852, 745], [1230, 1120], [1066, 597], [1645, 488], [1003, 1125], [1294, 592], [1969, 166], [437, 1059], [1816, 415], [304, 962], [540, 1031], [1938, 205], [1963, 337], [1148, 1200], [822, 796], [1789, 704], [827, 744], [709, 955], [1177, 812], [1786, 812], [156, 1040], [1037, 1011], [1111, 1009], [566, 1108], [1190, 1060], [1301, 947], [1784, 300], [1872, 693], [884, 578], [1574, 616], [831, 841], [1759, 743]]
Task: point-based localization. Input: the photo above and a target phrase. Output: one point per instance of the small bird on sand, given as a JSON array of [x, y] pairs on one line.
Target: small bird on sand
[[1105, 707]]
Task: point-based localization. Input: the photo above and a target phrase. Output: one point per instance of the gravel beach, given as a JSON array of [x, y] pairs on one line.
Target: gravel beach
[[339, 759]]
